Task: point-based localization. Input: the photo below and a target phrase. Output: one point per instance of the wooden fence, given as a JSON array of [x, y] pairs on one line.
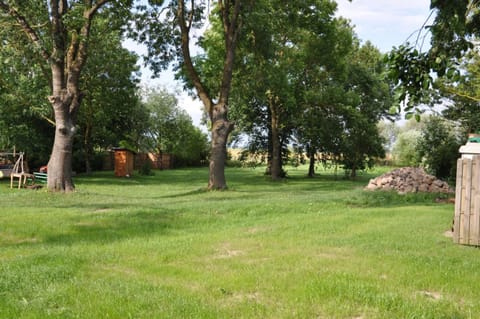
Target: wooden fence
[[466, 227], [157, 161]]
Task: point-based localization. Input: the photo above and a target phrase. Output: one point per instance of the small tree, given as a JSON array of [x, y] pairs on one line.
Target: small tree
[[405, 149], [439, 146], [171, 129]]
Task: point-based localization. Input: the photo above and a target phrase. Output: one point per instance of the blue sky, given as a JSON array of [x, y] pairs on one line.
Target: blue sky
[[385, 23]]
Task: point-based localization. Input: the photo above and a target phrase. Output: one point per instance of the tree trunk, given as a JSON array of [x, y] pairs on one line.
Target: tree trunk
[[276, 165], [88, 149], [268, 169], [311, 167], [221, 128], [353, 172], [60, 163]]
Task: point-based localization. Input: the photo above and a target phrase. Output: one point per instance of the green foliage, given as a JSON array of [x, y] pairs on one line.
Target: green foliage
[[454, 29], [111, 109], [405, 149], [146, 169], [170, 130], [23, 103], [292, 50], [463, 95], [367, 100], [439, 146], [156, 26], [389, 131]]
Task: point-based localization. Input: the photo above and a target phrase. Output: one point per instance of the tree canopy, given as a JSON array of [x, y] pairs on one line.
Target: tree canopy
[[453, 32]]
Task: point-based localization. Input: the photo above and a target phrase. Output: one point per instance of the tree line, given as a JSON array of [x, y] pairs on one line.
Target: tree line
[[281, 73]]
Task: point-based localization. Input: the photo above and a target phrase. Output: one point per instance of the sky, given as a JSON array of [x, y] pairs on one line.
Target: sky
[[385, 23]]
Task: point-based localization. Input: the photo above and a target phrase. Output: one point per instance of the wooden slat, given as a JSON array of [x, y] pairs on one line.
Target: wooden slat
[[467, 202], [473, 234], [475, 222], [475, 212], [458, 201]]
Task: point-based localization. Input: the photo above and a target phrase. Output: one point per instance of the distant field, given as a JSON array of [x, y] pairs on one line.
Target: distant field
[[163, 247]]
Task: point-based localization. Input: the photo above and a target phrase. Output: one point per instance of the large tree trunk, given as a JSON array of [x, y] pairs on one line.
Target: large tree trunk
[[65, 100], [221, 128], [60, 163], [276, 164]]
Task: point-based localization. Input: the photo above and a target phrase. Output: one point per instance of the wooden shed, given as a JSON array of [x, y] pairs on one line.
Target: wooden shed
[[124, 162]]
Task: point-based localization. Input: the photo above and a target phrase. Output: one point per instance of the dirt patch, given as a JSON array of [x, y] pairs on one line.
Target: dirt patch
[[226, 251], [431, 294]]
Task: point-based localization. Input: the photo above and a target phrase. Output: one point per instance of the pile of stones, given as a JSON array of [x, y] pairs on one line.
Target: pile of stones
[[409, 180]]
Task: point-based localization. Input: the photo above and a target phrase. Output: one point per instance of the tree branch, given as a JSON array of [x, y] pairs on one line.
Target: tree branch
[[232, 28], [192, 73], [25, 26], [464, 95]]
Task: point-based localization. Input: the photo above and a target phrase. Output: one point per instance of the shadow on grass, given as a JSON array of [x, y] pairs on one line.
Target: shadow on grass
[[166, 177], [393, 199], [106, 227]]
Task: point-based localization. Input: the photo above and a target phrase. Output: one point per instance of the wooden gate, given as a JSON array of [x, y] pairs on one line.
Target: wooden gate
[[466, 227]]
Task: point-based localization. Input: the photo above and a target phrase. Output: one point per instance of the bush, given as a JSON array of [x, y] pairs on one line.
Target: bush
[[438, 147], [146, 169], [404, 151]]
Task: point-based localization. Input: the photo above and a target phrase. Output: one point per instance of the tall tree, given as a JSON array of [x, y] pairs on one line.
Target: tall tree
[[167, 41], [111, 106], [370, 100], [286, 45], [58, 33]]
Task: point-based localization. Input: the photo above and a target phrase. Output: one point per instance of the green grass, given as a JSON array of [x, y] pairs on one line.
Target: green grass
[[163, 247]]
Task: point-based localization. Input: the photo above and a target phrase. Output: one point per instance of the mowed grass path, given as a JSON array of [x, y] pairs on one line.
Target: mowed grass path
[[163, 247]]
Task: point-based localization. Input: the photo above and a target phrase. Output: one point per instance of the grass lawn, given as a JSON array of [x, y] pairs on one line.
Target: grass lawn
[[163, 247]]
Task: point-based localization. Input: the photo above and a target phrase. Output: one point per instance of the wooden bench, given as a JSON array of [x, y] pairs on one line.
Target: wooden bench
[[40, 177]]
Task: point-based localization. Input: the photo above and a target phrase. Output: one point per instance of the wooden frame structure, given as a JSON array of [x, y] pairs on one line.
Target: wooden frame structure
[[19, 172], [466, 222]]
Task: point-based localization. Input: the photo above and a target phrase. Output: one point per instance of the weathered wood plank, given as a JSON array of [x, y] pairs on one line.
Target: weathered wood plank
[[458, 201], [474, 232], [467, 200]]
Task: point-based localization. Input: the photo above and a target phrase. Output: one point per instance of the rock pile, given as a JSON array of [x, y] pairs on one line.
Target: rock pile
[[409, 180]]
